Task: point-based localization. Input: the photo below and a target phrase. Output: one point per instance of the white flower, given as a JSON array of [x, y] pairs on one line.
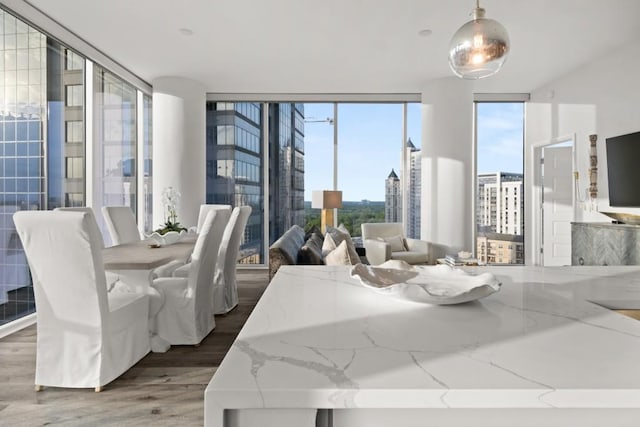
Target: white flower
[[170, 198]]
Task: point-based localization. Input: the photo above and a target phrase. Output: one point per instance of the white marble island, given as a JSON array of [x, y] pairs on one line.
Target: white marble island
[[538, 352]]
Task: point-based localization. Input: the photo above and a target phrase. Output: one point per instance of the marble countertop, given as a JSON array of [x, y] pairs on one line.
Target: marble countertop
[[318, 339]]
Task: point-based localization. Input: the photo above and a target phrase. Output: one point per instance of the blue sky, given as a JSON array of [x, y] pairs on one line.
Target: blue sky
[[500, 137], [370, 141]]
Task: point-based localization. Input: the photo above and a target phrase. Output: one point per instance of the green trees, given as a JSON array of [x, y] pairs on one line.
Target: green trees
[[352, 214]]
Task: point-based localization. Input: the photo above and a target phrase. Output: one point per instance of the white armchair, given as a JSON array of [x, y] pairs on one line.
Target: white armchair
[[385, 240], [86, 337]]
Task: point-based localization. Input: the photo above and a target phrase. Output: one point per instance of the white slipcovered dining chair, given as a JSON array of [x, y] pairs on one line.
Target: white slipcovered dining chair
[[97, 236], [94, 228], [223, 213], [187, 316], [225, 290], [204, 210], [121, 223], [86, 336], [181, 269]]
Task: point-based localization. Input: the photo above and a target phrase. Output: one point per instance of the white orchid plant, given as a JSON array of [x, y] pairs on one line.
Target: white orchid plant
[[170, 199]]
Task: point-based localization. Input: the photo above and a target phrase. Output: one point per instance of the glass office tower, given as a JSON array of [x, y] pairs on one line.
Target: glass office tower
[[286, 168], [41, 144], [235, 167]]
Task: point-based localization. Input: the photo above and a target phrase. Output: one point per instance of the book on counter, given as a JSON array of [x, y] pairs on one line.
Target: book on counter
[[455, 260]]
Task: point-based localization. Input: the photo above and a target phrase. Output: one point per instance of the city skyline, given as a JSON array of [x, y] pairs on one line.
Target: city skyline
[[361, 172], [378, 128]]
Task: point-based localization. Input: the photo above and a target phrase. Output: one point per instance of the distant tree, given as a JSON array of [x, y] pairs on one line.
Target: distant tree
[[347, 220], [352, 215], [311, 220]]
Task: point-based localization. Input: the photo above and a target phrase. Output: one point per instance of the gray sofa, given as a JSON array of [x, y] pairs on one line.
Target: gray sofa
[[295, 247]]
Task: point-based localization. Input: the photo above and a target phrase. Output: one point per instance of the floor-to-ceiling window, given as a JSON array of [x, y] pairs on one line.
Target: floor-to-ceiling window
[[370, 163], [319, 123], [286, 167], [115, 139], [370, 172], [413, 170], [500, 182], [42, 154], [234, 166], [304, 155], [65, 127], [43, 142], [147, 181]]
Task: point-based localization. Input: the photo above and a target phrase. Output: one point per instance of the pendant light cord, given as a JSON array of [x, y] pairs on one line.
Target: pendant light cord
[[478, 12]]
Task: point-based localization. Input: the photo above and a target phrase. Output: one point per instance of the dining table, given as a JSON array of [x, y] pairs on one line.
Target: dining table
[[136, 264]]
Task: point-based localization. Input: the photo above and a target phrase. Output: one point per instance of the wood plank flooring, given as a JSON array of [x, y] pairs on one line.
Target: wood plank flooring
[[163, 389]]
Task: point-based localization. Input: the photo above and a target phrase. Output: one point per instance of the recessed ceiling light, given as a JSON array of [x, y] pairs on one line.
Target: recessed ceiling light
[[186, 31], [425, 33]]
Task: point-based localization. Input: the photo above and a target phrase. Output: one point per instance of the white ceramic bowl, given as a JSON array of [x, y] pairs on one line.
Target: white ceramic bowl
[[438, 284], [167, 238]]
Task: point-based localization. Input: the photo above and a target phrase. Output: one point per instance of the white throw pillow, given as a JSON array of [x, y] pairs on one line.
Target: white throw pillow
[[328, 245], [335, 236], [396, 243], [340, 256]]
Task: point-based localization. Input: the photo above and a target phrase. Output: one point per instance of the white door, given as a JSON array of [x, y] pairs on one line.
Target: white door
[[557, 207]]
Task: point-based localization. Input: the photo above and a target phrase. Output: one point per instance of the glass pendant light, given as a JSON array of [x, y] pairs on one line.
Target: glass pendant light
[[479, 48]]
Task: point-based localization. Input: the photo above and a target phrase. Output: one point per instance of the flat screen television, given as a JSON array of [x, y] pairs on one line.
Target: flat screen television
[[623, 166]]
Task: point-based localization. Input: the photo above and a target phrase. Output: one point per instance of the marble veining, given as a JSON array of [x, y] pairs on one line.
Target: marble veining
[[319, 339], [572, 318], [332, 372]]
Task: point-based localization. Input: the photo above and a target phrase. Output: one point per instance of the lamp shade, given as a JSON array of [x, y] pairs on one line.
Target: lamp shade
[[479, 48], [326, 199]]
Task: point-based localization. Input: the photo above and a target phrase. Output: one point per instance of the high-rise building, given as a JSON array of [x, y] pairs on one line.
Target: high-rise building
[[393, 192], [286, 168], [392, 198], [500, 218], [500, 203], [496, 248], [42, 138], [414, 170], [235, 167]]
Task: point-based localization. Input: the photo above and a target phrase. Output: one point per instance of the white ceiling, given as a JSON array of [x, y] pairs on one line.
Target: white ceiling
[[340, 46]]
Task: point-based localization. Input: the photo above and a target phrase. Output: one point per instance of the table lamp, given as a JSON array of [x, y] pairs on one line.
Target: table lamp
[[326, 200]]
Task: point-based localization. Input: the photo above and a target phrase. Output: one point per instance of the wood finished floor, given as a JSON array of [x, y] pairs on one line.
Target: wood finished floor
[[163, 389]]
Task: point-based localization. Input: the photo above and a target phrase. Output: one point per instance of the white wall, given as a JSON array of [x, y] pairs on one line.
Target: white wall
[[447, 166], [179, 148], [603, 98]]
